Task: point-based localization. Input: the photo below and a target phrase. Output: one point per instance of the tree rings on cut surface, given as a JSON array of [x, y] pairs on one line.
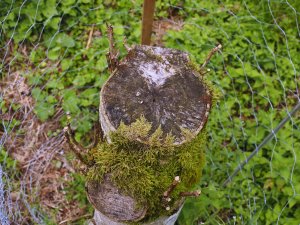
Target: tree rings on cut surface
[[160, 84]]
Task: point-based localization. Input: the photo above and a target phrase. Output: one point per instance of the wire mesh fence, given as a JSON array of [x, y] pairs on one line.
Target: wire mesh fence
[[53, 61]]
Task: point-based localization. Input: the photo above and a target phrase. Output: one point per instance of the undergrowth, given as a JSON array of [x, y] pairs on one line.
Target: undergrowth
[[257, 74]]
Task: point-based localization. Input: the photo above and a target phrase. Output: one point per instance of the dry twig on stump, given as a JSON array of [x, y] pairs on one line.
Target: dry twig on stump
[[74, 145], [190, 193], [112, 55], [211, 53], [171, 187]]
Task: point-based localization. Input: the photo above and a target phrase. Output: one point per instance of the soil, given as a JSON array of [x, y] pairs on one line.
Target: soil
[[44, 171]]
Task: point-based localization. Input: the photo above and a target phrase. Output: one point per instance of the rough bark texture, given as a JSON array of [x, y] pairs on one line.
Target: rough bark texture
[[108, 199], [101, 219], [162, 85]]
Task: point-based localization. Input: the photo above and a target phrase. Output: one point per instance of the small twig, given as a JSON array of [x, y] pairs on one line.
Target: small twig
[[110, 34], [175, 182], [190, 193], [205, 72], [74, 145], [52, 206], [126, 44], [90, 37], [93, 221], [98, 136], [75, 219], [89, 41], [112, 55], [211, 53]]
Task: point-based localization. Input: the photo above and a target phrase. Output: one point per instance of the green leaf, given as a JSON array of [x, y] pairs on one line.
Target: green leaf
[[79, 80], [37, 94], [50, 9], [89, 97], [64, 40], [55, 84], [44, 110], [68, 2], [54, 53], [66, 64], [101, 63], [53, 23], [70, 101]]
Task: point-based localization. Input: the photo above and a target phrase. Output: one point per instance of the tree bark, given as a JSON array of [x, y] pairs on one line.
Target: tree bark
[[100, 219]]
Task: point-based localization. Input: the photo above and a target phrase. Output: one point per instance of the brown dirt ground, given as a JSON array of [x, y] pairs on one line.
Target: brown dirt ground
[[45, 171]]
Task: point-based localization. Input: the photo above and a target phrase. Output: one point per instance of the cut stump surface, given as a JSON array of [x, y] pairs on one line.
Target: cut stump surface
[[160, 84]]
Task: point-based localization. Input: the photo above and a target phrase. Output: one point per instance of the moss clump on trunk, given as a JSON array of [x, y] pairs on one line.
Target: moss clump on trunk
[[143, 165]]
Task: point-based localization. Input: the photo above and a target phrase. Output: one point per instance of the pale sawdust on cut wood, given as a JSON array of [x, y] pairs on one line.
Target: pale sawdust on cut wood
[[45, 172]]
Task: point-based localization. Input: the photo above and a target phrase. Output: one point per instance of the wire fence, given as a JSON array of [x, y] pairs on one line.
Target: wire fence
[[53, 61], [3, 201]]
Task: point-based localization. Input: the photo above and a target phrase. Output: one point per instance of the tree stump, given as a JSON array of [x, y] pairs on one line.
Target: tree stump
[[162, 85]]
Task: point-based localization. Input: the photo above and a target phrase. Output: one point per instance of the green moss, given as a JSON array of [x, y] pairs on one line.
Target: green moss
[[143, 165]]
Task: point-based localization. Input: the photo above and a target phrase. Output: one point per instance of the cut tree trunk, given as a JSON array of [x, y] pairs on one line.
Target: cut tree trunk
[[162, 85]]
